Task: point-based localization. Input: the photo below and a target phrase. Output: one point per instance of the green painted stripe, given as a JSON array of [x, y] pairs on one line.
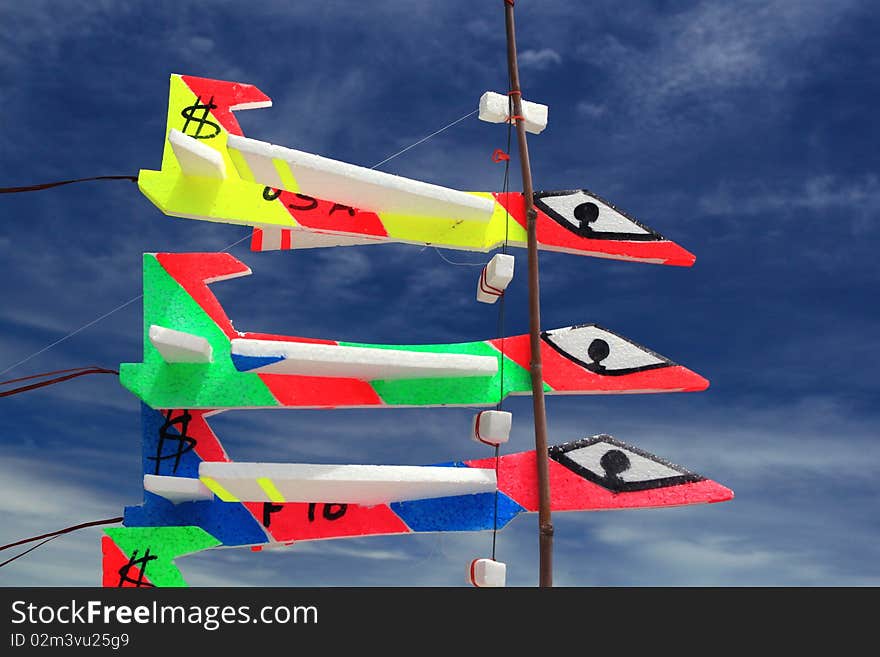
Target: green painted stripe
[[477, 391]]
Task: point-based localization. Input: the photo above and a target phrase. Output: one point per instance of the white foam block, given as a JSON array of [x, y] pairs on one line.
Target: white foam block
[[495, 278], [358, 187], [364, 363], [179, 346], [196, 158], [494, 108], [343, 484], [492, 427], [177, 489], [486, 573]]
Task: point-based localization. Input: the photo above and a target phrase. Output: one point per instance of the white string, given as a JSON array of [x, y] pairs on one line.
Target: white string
[[457, 264], [424, 139], [133, 299], [94, 321]]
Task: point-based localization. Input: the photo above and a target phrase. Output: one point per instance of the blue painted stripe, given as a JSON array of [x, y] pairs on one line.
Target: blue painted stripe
[[230, 523], [248, 363], [459, 513]]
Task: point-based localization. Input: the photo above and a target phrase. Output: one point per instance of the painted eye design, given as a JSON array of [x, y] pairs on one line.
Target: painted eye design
[[586, 214], [601, 351], [618, 467]]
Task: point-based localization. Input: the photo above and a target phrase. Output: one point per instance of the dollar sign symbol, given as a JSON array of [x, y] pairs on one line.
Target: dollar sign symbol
[[189, 113], [184, 442], [142, 567]]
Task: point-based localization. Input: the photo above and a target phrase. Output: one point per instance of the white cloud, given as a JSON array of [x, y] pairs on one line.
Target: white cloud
[[590, 110], [711, 50], [539, 59], [854, 198]]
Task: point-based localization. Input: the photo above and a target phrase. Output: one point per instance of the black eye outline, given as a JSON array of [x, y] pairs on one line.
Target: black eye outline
[[598, 353], [589, 215], [612, 481]]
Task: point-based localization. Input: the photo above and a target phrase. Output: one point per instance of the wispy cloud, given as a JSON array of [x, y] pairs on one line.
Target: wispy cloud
[[539, 59], [735, 130], [853, 201]]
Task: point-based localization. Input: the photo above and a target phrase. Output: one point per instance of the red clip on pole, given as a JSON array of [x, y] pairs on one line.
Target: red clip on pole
[[499, 156]]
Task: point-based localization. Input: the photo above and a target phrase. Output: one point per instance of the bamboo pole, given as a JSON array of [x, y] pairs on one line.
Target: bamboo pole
[[545, 523]]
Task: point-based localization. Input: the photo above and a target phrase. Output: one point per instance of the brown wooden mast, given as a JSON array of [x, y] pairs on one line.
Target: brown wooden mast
[[545, 523]]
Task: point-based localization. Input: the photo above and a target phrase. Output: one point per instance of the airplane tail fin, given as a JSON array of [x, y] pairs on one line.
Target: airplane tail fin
[[141, 557], [202, 108], [176, 441], [198, 178]]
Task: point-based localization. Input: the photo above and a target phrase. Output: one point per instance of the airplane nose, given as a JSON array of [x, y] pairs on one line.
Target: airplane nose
[[679, 256], [716, 492], [693, 382]]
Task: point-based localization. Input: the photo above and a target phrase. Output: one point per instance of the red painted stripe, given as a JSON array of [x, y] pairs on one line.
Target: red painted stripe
[[225, 95], [329, 216], [515, 204], [320, 392], [192, 270], [285, 238], [292, 522], [284, 338], [257, 240], [515, 347], [207, 447]]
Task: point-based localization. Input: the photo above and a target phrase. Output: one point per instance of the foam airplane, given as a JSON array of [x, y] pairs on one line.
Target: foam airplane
[[294, 199], [194, 358], [195, 498]]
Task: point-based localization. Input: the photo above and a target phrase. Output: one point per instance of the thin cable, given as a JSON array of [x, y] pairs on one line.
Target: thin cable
[[457, 264], [30, 549], [37, 188], [424, 139], [95, 321], [58, 379], [66, 530], [72, 333], [39, 376], [237, 242]]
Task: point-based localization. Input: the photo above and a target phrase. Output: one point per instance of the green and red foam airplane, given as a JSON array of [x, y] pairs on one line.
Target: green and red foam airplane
[[194, 358]]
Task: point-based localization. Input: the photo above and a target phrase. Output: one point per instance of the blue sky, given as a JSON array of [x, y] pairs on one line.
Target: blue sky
[[744, 131]]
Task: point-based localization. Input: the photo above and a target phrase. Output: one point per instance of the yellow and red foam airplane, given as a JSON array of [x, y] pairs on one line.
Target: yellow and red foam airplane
[[294, 199]]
